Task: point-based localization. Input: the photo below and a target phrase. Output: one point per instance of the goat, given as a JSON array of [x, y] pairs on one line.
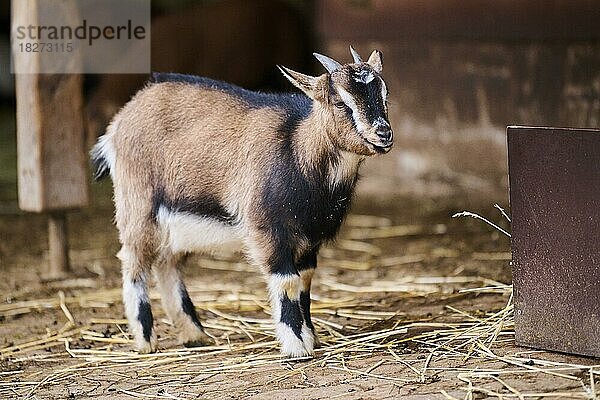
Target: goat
[[199, 164]]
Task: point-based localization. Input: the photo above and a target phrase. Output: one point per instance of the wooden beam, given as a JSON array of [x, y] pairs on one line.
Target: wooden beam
[[58, 246], [52, 165], [52, 161], [51, 158]]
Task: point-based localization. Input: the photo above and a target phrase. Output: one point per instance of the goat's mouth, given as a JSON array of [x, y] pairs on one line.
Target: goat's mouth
[[380, 147]]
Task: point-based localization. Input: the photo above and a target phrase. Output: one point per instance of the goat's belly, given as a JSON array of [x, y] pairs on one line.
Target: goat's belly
[[186, 232]]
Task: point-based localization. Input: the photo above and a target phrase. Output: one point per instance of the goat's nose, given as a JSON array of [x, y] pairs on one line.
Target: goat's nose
[[385, 134]]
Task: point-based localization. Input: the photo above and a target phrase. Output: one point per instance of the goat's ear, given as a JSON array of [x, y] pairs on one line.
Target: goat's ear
[[376, 61], [313, 87]]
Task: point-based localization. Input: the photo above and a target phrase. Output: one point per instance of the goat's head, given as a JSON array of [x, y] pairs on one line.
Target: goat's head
[[354, 99]]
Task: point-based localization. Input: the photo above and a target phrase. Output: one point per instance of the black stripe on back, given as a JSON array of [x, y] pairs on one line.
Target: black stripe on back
[[296, 105]]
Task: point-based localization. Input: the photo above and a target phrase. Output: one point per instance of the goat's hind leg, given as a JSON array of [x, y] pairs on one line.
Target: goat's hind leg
[[136, 300], [176, 301]]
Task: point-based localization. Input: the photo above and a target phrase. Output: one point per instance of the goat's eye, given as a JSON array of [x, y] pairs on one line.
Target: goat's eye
[[341, 105]]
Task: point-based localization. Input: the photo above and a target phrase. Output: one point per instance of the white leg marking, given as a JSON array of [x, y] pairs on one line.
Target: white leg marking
[[281, 286], [308, 338], [134, 294], [291, 345]]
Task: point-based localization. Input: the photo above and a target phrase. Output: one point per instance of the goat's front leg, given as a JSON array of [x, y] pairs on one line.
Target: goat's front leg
[[307, 263], [295, 336], [285, 286]]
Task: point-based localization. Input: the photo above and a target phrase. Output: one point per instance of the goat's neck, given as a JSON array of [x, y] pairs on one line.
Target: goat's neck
[[315, 150]]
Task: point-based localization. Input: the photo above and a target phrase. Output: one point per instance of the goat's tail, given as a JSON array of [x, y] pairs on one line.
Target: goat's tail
[[103, 154]]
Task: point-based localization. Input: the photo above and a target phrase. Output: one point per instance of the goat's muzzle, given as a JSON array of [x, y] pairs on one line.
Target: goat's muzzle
[[385, 139]]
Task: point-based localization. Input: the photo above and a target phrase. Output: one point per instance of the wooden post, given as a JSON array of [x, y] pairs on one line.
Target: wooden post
[[52, 162], [58, 245]]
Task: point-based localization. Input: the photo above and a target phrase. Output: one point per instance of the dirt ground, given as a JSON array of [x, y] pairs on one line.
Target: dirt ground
[[366, 273]]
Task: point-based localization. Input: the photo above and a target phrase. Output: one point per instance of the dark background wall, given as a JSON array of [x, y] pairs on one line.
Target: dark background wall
[[459, 71]]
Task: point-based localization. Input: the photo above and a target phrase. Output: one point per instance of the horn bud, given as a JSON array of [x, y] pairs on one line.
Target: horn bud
[[355, 55], [329, 63]]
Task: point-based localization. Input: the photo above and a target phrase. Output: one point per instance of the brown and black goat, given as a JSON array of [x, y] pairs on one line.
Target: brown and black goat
[[199, 164]]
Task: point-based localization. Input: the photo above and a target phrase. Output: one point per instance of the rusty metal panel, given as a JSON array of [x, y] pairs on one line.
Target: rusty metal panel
[[555, 206]]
